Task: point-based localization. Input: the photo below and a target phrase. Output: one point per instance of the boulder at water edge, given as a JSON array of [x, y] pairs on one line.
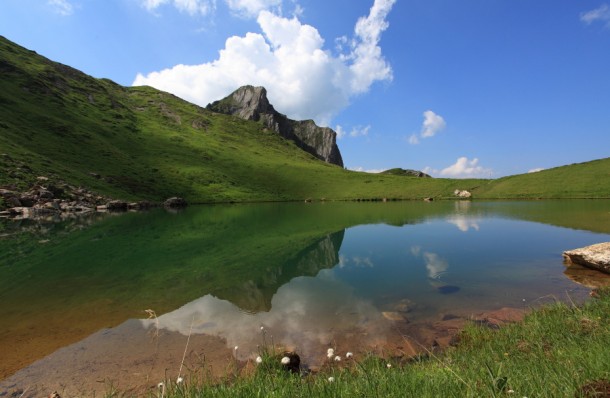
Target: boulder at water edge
[[175, 202], [594, 256]]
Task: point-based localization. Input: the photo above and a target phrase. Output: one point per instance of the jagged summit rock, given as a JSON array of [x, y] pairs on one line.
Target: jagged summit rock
[[251, 103]]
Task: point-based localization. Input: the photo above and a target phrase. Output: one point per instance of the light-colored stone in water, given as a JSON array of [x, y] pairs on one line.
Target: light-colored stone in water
[[594, 256], [393, 316]]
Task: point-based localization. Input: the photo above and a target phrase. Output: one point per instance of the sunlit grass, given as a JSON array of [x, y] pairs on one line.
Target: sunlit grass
[[142, 143]]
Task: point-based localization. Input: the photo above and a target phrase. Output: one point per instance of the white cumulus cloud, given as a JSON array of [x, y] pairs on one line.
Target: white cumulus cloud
[[303, 80], [535, 170], [62, 7], [462, 168], [602, 14], [433, 123]]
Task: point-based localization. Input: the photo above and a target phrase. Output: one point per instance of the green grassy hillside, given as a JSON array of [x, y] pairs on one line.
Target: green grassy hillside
[[582, 180], [141, 143]]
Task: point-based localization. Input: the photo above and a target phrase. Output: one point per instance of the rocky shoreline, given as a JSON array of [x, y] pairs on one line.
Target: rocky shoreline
[[47, 199]]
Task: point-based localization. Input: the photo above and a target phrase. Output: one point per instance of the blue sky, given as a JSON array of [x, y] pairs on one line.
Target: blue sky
[[458, 88]]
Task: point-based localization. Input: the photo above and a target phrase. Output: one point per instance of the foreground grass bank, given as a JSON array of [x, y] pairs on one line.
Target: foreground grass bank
[[557, 351]]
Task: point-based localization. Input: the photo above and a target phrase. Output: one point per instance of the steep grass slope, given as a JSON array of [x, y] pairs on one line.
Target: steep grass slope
[[141, 143]]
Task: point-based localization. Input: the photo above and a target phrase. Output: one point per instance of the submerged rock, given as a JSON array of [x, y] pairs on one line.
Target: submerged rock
[[393, 316], [448, 289], [594, 256]]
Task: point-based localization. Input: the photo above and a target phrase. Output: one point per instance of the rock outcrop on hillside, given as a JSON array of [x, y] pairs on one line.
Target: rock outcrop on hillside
[[251, 103], [406, 172]]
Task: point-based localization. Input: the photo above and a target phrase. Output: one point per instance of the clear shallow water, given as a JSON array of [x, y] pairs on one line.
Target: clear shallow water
[[353, 276]]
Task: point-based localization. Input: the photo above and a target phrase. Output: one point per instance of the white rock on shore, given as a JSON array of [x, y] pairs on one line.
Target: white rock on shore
[[594, 256]]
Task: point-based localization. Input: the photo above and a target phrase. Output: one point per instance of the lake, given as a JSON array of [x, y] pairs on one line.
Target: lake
[[126, 300]]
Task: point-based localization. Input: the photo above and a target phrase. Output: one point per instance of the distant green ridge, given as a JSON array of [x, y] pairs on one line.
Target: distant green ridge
[[142, 143], [581, 180]]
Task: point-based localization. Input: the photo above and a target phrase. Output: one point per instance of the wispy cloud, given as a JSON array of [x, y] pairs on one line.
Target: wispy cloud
[[340, 132], [358, 131], [535, 170], [601, 14], [191, 7], [303, 79], [251, 8], [62, 7], [433, 123], [462, 168]]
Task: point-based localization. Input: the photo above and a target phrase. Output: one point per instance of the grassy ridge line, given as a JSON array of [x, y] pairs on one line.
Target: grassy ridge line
[[141, 143], [581, 180], [147, 144], [557, 351]]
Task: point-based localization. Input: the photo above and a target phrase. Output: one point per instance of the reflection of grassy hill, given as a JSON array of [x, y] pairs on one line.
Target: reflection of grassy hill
[[68, 285], [141, 143]]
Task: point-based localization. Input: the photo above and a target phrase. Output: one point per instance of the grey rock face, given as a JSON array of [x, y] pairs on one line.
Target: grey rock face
[[251, 103]]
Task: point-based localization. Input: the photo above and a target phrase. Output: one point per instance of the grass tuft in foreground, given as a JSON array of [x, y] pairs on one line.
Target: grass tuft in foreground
[[558, 351]]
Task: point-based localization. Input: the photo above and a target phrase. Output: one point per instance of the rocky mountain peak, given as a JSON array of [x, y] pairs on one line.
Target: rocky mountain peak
[[251, 103]]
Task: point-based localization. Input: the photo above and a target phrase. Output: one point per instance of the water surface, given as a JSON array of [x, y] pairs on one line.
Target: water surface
[[383, 277]]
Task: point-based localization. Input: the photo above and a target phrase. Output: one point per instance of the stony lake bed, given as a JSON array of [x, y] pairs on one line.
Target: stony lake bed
[[390, 278]]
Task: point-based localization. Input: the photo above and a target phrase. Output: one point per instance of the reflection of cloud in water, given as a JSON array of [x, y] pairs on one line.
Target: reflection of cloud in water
[[357, 261], [307, 314], [435, 265], [464, 223], [462, 206]]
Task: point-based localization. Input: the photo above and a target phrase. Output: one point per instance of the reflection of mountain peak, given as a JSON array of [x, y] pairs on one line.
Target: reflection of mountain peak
[[256, 295]]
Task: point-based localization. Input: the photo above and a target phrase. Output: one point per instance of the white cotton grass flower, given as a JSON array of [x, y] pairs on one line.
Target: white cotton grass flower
[[285, 361], [236, 348], [259, 359], [331, 379], [262, 328], [349, 355], [160, 385], [389, 365], [337, 358], [179, 380], [330, 353]]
